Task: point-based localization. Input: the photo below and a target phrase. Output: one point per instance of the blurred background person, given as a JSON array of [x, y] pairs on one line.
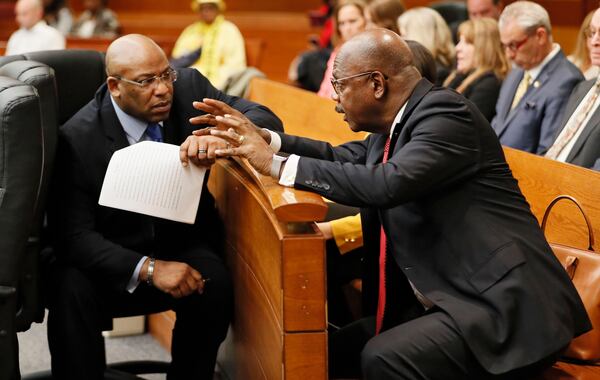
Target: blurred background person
[[484, 8], [349, 21], [58, 15], [427, 27], [384, 14], [581, 53], [33, 34], [212, 45], [534, 94], [481, 64], [96, 21]]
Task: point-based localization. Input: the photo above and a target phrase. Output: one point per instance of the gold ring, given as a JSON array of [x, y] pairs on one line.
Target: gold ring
[[241, 139], [201, 151]]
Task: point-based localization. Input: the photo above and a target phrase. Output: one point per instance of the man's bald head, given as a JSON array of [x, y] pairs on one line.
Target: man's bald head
[[29, 12], [131, 50], [373, 76], [375, 49], [139, 77]]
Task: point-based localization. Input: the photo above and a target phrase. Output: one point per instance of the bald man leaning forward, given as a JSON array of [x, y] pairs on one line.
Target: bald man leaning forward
[[467, 269], [117, 263]]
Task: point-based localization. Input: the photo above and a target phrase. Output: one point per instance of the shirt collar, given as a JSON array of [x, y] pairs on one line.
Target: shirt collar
[[398, 117], [39, 25], [134, 128], [534, 72]]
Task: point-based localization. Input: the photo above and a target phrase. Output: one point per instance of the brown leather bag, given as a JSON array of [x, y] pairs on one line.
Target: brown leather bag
[[583, 266]]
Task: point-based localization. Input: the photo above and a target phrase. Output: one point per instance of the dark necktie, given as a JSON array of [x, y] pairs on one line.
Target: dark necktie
[[153, 131], [382, 258]]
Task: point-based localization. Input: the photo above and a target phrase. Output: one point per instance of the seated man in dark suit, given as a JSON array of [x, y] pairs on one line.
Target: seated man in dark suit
[[578, 139], [533, 95], [115, 263], [463, 263]]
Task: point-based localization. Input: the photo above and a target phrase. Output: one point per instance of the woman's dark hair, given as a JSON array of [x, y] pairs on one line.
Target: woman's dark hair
[[423, 60]]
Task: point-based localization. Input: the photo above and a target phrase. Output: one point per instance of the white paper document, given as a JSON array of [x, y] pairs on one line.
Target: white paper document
[[148, 178]]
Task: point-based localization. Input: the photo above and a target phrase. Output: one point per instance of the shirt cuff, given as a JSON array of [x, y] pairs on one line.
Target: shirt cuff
[[275, 141], [134, 281], [288, 176]]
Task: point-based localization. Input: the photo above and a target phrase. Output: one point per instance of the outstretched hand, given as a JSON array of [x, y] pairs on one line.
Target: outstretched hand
[[245, 140], [213, 108]]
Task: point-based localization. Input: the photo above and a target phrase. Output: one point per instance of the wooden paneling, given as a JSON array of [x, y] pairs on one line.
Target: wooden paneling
[[303, 113], [184, 5], [541, 180]]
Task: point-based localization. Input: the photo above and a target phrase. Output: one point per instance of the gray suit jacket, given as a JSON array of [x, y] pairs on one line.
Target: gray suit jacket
[[586, 150], [531, 126]]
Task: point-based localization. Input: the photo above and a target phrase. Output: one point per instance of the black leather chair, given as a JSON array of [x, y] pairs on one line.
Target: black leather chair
[[65, 81], [21, 163]]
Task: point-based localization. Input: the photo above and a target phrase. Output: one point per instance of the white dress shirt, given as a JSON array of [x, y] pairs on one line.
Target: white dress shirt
[[39, 37]]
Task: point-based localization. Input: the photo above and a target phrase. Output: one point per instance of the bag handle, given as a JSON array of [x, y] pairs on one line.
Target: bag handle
[[587, 221]]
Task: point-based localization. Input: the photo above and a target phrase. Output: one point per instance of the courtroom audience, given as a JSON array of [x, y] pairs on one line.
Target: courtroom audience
[[384, 14], [481, 64], [212, 45], [349, 21], [533, 95], [581, 55], [484, 8], [96, 21], [33, 34], [578, 138], [427, 27], [58, 15]]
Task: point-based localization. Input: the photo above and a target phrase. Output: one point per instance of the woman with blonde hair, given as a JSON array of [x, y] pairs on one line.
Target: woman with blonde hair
[[481, 64], [581, 55], [427, 27]]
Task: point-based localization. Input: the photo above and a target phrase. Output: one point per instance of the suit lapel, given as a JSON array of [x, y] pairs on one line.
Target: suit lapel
[[587, 130], [534, 89], [375, 153], [113, 129]]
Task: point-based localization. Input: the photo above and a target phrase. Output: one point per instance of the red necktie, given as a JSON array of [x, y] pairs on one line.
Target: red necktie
[[382, 257]]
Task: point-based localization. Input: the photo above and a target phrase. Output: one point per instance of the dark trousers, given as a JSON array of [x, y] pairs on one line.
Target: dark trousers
[[80, 306], [427, 347]]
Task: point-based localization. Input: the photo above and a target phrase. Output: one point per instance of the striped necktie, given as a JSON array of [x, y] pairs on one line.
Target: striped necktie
[[382, 259], [521, 89], [153, 131], [574, 124]]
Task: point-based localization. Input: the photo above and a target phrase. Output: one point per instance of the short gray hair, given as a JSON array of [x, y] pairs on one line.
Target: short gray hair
[[527, 14]]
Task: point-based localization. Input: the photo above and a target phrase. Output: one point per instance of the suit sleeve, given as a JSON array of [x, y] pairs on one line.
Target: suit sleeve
[[443, 149], [553, 113], [79, 242], [258, 114]]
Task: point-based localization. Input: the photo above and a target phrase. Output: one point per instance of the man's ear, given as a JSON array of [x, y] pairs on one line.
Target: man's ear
[[379, 84], [113, 86]]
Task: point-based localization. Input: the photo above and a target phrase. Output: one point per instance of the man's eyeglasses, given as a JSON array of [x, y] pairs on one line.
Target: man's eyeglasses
[[515, 45], [336, 83], [168, 77], [590, 32]]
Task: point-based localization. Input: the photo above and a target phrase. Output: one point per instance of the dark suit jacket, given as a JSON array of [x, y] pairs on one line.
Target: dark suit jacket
[[532, 124], [586, 150], [483, 92], [108, 243], [457, 224]]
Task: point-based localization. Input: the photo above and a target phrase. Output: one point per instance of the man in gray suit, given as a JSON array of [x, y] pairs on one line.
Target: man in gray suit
[[579, 134], [533, 96]]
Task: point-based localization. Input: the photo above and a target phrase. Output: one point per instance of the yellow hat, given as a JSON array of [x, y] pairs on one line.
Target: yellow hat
[[219, 3]]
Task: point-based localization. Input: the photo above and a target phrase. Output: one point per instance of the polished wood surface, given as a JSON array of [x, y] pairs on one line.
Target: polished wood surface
[[303, 113], [541, 180]]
